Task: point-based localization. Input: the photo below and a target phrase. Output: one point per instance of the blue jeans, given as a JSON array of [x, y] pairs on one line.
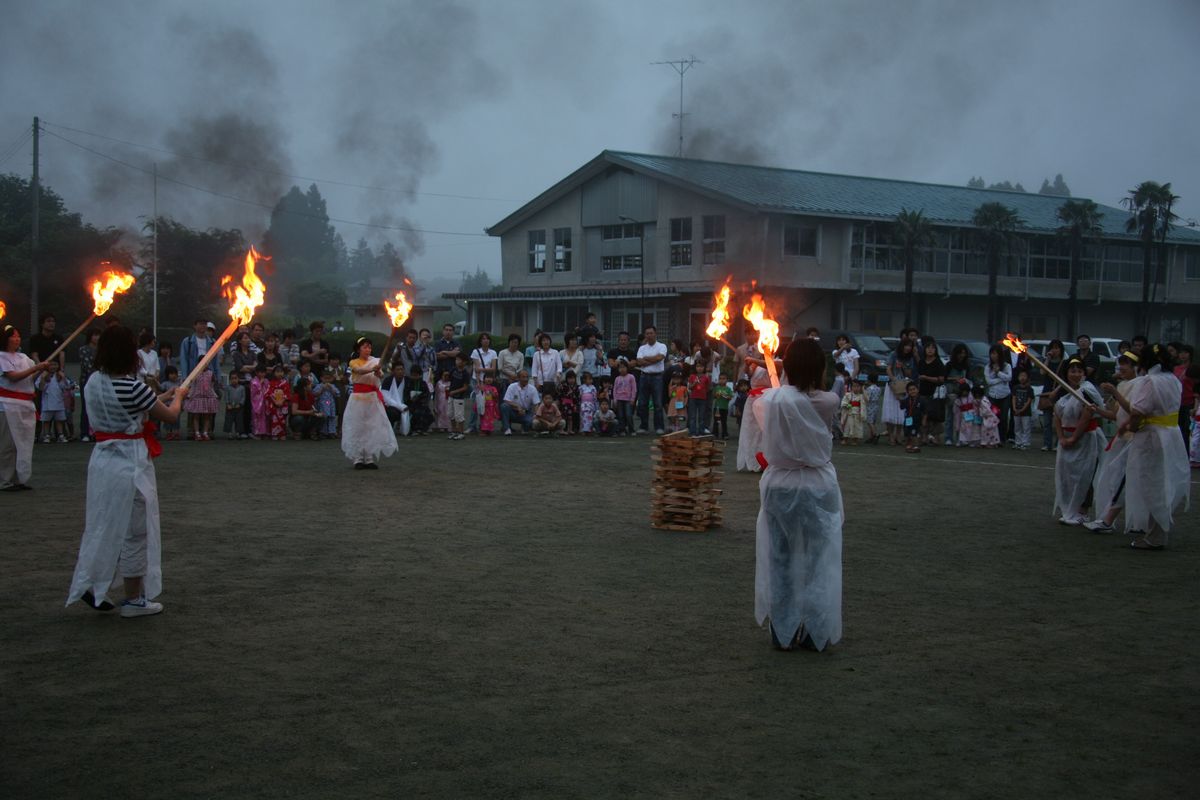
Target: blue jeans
[[625, 416], [509, 415], [696, 417], [1049, 438], [650, 388]]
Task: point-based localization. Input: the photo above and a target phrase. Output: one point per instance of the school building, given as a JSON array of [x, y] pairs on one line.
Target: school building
[[647, 239]]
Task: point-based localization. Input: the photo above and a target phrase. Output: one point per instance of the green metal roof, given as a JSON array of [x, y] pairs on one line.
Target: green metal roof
[[790, 191]]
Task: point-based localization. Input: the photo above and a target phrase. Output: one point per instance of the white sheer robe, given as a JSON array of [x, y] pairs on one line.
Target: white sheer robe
[[1157, 482], [1075, 467]]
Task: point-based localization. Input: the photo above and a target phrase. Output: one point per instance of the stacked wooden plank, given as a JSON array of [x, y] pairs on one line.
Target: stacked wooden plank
[[685, 496]]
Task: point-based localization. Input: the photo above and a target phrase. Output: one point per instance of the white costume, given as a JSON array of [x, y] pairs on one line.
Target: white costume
[[1157, 474], [1110, 478], [366, 432], [1075, 467], [121, 535], [18, 419], [750, 433], [798, 572]]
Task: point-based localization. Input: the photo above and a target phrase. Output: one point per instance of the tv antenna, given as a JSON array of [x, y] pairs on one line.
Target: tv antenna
[[681, 66]]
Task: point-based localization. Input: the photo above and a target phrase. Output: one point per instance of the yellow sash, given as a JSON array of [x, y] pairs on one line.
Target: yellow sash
[[1163, 420]]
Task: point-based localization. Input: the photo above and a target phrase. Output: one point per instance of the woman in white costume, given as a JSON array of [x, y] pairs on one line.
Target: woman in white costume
[[798, 539], [366, 433], [18, 418], [121, 535], [1157, 474], [1080, 443], [1110, 478]]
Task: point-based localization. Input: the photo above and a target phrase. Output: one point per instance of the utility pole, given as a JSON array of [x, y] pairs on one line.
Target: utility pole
[[154, 266], [33, 233], [681, 66]]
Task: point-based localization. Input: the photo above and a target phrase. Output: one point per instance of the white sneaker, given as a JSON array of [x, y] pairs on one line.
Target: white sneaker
[[86, 439], [658, 431], [140, 607], [1074, 520], [45, 440], [62, 439], [1098, 526], [508, 432]]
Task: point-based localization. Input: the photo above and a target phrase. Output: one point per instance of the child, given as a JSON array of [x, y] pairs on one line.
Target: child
[[148, 367], [624, 393], [258, 402], [873, 393], [304, 374], [235, 401], [166, 358], [460, 383], [698, 386], [913, 407], [722, 395], [55, 387], [547, 418], [169, 430], [279, 401], [491, 404], [970, 419], [990, 433], [442, 402], [853, 413], [587, 404], [568, 402], [341, 382], [677, 403], [1022, 411], [201, 406], [741, 391], [416, 397], [840, 378], [606, 420], [325, 400]]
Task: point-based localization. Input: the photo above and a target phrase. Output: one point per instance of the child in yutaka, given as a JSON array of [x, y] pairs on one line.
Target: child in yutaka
[[325, 398], [677, 403], [568, 402], [853, 413], [989, 431], [259, 385], [201, 406], [873, 394], [441, 402], [279, 402], [587, 404], [970, 418], [491, 404]]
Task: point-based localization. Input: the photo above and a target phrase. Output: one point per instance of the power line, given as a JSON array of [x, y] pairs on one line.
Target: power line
[[16, 148], [277, 172], [257, 204]]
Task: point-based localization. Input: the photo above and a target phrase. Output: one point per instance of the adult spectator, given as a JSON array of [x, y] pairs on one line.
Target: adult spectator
[[405, 353], [519, 401], [1055, 365], [46, 341], [258, 336], [588, 328], [1183, 362], [1137, 344], [314, 349], [931, 380], [244, 364], [446, 350], [814, 333], [1091, 361], [846, 355], [509, 363], [998, 377], [547, 365], [392, 390], [532, 348], [426, 355], [595, 362], [571, 355], [483, 359], [270, 357], [291, 352], [651, 358], [193, 348], [624, 351]]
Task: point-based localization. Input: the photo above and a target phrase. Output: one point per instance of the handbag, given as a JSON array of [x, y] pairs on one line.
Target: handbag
[[899, 386], [1045, 402]]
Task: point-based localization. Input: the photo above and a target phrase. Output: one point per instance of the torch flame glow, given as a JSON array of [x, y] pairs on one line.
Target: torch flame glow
[[1013, 343], [399, 312], [720, 313], [768, 329], [3, 309], [407, 282], [109, 284], [247, 296]]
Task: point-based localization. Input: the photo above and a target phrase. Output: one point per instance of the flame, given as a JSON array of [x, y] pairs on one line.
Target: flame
[[109, 284], [1013, 343], [720, 313], [399, 312], [247, 296], [768, 329], [3, 309], [407, 282]]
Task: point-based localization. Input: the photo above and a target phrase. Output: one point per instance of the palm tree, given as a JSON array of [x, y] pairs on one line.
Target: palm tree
[[997, 225], [1150, 218], [914, 234], [1080, 220]]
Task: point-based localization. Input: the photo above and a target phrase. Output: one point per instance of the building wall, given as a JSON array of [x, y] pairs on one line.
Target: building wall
[[514, 247]]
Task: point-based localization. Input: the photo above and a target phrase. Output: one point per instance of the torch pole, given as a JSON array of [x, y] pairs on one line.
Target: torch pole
[[211, 354], [67, 341], [770, 359], [1061, 382], [386, 345]]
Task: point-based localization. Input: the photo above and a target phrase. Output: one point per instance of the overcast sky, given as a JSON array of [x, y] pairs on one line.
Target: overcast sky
[[492, 102]]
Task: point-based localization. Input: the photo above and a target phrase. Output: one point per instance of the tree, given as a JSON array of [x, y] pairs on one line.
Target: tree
[[914, 234], [317, 300], [976, 183], [389, 264], [1080, 221], [1151, 218], [300, 240], [996, 234], [480, 281], [190, 266], [362, 262], [1056, 189], [1007, 186]]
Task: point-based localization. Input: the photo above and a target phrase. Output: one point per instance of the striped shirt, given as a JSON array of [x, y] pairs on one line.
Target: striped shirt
[[133, 395]]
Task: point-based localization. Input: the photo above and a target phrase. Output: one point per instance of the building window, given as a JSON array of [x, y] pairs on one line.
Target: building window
[[871, 320], [800, 240], [562, 249], [513, 316], [563, 317], [714, 239], [611, 263], [1034, 327], [483, 316], [627, 231], [1191, 264], [681, 242], [537, 251]]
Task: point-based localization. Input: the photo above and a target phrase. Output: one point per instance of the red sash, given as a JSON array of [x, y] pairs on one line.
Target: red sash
[[153, 445], [761, 459], [366, 388], [11, 395], [1092, 426], [758, 391]]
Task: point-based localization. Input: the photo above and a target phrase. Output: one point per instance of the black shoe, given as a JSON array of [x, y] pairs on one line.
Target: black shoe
[[12, 487], [90, 599], [371, 465], [359, 465]]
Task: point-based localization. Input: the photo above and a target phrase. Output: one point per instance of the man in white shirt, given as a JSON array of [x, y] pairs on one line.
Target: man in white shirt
[[650, 359], [518, 405]]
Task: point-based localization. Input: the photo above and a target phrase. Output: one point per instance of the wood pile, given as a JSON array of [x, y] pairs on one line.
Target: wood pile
[[685, 496]]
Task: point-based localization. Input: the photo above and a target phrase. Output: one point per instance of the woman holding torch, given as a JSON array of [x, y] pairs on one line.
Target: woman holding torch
[[121, 534], [366, 432], [18, 417], [1080, 443], [798, 573]]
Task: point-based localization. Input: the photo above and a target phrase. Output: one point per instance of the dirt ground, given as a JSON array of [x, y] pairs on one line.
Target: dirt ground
[[417, 632]]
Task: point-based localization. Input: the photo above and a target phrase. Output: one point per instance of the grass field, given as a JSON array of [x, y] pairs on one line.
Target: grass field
[[410, 632]]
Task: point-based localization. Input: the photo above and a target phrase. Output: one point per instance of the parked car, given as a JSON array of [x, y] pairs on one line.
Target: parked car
[[977, 353], [873, 352], [1107, 349]]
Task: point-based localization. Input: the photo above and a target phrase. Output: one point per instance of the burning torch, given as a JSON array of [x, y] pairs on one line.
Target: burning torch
[[1017, 346], [244, 298], [399, 315], [720, 315], [104, 290], [768, 334]]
